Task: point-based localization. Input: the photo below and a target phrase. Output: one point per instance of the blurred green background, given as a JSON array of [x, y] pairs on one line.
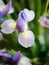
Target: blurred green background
[[39, 52]]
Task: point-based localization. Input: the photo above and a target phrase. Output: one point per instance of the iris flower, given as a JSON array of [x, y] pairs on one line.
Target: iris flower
[[26, 37], [44, 21], [5, 9]]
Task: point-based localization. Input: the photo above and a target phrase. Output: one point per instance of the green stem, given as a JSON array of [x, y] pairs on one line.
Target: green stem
[[46, 7], [37, 15], [36, 23]]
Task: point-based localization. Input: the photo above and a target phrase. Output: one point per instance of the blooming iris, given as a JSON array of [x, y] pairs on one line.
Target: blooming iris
[[44, 21], [4, 9], [26, 37]]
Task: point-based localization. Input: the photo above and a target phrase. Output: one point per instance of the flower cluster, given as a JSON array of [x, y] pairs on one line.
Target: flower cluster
[[26, 37], [17, 59]]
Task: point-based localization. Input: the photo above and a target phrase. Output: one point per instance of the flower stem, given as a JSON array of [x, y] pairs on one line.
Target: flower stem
[[46, 6]]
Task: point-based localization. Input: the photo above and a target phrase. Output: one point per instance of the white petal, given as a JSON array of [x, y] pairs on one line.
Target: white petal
[[7, 27], [24, 61], [26, 41], [11, 10]]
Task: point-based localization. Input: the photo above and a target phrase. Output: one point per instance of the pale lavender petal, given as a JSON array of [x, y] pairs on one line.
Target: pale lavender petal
[[44, 21], [1, 36], [5, 10], [26, 39], [21, 25], [8, 26], [24, 61]]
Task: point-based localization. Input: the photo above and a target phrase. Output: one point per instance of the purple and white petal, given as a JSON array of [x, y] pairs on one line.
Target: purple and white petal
[[24, 61], [5, 9], [8, 26], [1, 36], [22, 16], [44, 21], [27, 15], [21, 25], [26, 39], [17, 57]]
